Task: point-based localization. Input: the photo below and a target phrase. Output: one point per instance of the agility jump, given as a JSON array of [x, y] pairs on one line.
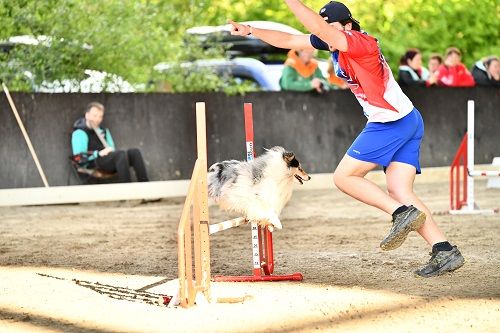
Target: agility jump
[[462, 173], [194, 228]]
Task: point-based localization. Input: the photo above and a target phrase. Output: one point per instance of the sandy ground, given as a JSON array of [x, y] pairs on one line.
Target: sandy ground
[[349, 283]]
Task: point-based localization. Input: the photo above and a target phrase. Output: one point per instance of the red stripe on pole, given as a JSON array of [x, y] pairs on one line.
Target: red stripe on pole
[[247, 108], [458, 179], [248, 121]]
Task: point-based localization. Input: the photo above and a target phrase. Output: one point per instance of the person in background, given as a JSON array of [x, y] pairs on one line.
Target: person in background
[[435, 60], [302, 73], [94, 147], [453, 73], [411, 71], [486, 72], [334, 81]]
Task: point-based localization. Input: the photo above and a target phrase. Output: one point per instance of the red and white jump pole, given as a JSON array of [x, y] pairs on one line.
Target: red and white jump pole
[[462, 173], [262, 238]]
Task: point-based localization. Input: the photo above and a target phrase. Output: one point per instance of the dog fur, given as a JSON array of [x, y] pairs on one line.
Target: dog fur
[[258, 189]]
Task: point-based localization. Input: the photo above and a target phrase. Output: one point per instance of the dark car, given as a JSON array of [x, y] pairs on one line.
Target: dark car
[[241, 45]]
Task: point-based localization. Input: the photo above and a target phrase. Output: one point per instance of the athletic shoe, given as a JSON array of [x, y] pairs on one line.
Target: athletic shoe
[[409, 220], [442, 262]]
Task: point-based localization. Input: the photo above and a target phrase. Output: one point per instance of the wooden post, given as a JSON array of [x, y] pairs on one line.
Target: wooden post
[[25, 134], [193, 233], [204, 241]]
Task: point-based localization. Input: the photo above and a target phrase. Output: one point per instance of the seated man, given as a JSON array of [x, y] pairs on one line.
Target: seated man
[[93, 147], [302, 73], [333, 80]]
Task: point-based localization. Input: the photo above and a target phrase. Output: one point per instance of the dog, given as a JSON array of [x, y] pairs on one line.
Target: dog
[[258, 189]]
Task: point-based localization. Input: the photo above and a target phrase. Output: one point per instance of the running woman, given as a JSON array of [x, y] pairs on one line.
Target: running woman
[[391, 137]]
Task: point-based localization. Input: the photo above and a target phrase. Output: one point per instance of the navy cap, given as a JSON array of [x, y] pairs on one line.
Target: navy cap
[[336, 12]]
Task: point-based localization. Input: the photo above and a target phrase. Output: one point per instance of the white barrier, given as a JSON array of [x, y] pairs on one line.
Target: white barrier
[[494, 182], [93, 193], [466, 203]]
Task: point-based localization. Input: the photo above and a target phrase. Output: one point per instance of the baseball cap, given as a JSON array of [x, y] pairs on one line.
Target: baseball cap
[[336, 12]]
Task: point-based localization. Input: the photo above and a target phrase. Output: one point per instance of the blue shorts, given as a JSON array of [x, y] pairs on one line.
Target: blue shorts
[[395, 141]]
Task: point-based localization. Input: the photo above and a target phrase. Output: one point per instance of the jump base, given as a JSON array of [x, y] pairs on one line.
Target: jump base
[[473, 211], [257, 278]]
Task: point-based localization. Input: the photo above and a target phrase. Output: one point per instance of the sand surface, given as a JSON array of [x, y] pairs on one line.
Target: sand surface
[[349, 285]]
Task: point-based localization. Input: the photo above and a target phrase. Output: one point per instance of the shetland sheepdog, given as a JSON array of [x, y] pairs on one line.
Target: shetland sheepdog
[[258, 189]]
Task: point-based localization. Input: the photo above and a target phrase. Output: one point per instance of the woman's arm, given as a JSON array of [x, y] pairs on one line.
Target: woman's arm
[[318, 26], [276, 38]]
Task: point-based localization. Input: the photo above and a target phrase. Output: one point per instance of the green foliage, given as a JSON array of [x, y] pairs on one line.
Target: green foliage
[[181, 75], [129, 38]]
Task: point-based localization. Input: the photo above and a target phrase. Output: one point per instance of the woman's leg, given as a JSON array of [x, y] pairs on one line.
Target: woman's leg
[[349, 178], [444, 258], [400, 178]]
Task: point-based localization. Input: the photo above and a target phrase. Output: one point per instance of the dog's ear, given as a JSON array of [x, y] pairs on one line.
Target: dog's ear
[[288, 156], [290, 159]]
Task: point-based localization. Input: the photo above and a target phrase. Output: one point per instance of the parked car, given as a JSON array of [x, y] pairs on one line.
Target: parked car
[[241, 45], [264, 77], [248, 58]]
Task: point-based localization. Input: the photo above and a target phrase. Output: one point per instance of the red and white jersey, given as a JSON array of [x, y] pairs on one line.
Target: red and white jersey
[[369, 77]]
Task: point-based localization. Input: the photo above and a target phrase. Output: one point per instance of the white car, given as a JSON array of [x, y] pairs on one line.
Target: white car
[[265, 77]]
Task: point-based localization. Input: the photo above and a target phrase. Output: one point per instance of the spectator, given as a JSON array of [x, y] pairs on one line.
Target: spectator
[[334, 81], [301, 72], [411, 71], [435, 61], [94, 147], [486, 72], [453, 73]]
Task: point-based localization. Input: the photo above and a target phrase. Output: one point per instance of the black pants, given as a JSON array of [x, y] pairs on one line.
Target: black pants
[[120, 162]]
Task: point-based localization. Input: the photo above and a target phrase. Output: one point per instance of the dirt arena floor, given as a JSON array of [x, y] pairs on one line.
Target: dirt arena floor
[[350, 285]]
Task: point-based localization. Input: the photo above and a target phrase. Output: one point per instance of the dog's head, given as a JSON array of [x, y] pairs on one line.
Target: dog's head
[[294, 165]]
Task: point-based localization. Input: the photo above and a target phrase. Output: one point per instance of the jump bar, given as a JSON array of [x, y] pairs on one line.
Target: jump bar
[[214, 228]]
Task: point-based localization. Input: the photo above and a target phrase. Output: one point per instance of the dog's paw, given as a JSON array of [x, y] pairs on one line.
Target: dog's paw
[[268, 223], [276, 223]]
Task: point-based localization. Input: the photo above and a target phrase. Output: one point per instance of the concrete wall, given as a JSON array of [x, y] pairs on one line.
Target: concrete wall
[[318, 128]]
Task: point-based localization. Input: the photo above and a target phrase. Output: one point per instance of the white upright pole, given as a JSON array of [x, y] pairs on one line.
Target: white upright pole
[[25, 134], [470, 155]]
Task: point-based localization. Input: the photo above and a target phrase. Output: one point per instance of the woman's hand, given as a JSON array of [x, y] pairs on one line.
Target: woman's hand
[[238, 29]]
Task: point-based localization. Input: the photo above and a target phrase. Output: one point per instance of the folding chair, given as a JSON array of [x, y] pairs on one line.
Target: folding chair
[[89, 175]]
